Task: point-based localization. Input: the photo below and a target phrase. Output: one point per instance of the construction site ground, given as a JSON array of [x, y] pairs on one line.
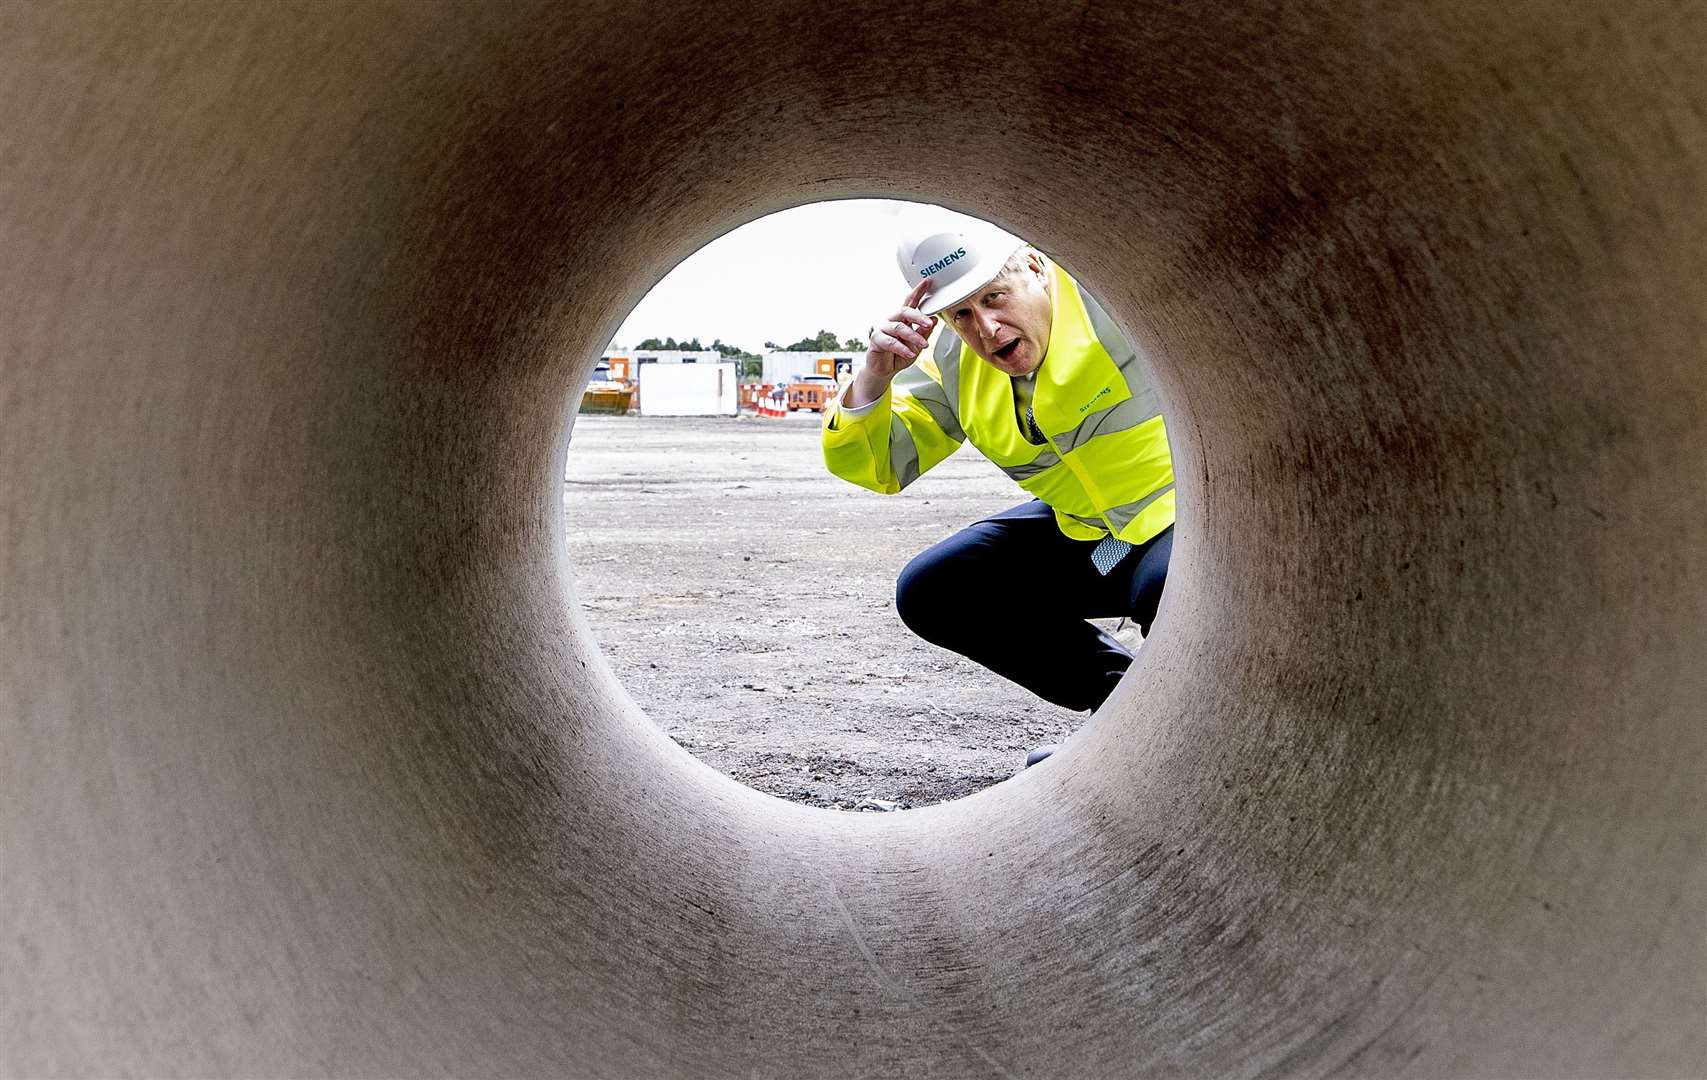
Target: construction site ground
[[745, 598]]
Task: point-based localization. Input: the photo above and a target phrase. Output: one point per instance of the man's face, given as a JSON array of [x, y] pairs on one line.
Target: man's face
[[1007, 321]]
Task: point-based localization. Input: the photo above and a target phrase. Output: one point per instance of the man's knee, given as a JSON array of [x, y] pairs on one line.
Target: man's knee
[[928, 593]]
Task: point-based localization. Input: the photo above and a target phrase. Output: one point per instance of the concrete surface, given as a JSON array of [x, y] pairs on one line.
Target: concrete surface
[[745, 599], [310, 767]]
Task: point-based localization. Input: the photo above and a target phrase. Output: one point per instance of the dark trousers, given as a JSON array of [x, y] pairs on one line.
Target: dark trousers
[[1013, 594]]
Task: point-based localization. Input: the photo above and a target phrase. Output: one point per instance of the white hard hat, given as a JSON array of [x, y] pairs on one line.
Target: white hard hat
[[960, 255]]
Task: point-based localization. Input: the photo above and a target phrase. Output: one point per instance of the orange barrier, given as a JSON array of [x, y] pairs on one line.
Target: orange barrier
[[765, 399]]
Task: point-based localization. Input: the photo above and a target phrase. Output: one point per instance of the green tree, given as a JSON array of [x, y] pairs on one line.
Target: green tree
[[823, 341], [853, 344]]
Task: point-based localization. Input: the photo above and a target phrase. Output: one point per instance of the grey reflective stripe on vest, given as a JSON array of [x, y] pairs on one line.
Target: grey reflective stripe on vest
[[903, 454], [1122, 417], [947, 354], [1045, 460], [1142, 406], [1126, 513], [1093, 522], [924, 390], [1110, 336], [935, 399]]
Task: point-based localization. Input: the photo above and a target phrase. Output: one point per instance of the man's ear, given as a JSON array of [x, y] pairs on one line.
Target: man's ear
[[1034, 262]]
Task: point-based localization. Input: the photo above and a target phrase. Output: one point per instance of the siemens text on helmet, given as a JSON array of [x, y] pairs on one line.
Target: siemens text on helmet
[[953, 256]]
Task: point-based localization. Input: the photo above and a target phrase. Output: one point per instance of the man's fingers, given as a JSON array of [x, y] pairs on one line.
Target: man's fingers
[[901, 329], [889, 343], [884, 341], [914, 317], [905, 335], [903, 332]]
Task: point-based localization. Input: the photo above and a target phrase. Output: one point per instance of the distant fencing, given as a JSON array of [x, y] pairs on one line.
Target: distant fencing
[[765, 400]]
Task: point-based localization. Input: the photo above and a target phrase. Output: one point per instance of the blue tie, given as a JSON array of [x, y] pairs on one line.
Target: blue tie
[[1031, 426], [1108, 553]]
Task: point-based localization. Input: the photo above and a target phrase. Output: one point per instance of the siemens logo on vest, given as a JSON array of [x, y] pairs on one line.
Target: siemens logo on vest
[[1104, 392], [947, 260]]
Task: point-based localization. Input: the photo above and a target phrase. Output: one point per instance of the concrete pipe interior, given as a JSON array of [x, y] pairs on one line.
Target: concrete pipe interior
[[309, 767]]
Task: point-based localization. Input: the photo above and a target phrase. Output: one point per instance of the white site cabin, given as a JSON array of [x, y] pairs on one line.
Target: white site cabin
[[696, 389]]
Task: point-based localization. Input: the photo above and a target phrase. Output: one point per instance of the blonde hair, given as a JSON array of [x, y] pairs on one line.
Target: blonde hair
[[1018, 259]]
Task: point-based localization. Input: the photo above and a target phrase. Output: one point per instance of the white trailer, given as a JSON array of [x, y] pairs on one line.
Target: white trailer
[[689, 389], [636, 357], [778, 368]]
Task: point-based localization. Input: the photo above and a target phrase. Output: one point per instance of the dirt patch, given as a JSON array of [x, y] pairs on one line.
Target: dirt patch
[[746, 599]]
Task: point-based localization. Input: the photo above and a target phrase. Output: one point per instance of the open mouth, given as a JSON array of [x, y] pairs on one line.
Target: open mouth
[[1006, 351]]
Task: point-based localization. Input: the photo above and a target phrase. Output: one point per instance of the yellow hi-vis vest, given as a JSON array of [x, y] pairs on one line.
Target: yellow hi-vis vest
[[1105, 468]]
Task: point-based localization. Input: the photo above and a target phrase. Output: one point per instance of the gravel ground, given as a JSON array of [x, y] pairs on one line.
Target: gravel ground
[[746, 599]]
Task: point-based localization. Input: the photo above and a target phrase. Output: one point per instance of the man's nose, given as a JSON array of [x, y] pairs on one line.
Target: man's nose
[[987, 326]]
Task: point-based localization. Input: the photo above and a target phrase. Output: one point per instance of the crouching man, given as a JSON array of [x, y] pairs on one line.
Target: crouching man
[[997, 346]]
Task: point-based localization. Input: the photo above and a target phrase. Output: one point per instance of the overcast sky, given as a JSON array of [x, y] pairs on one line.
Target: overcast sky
[[827, 266]]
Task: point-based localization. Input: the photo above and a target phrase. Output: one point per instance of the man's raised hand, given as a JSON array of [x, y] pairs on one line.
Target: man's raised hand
[[898, 342]]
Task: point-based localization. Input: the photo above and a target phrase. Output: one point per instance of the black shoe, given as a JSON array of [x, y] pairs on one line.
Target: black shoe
[[1040, 753]]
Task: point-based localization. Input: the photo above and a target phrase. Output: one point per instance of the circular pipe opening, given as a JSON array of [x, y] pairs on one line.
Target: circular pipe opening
[[318, 772], [745, 595]]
